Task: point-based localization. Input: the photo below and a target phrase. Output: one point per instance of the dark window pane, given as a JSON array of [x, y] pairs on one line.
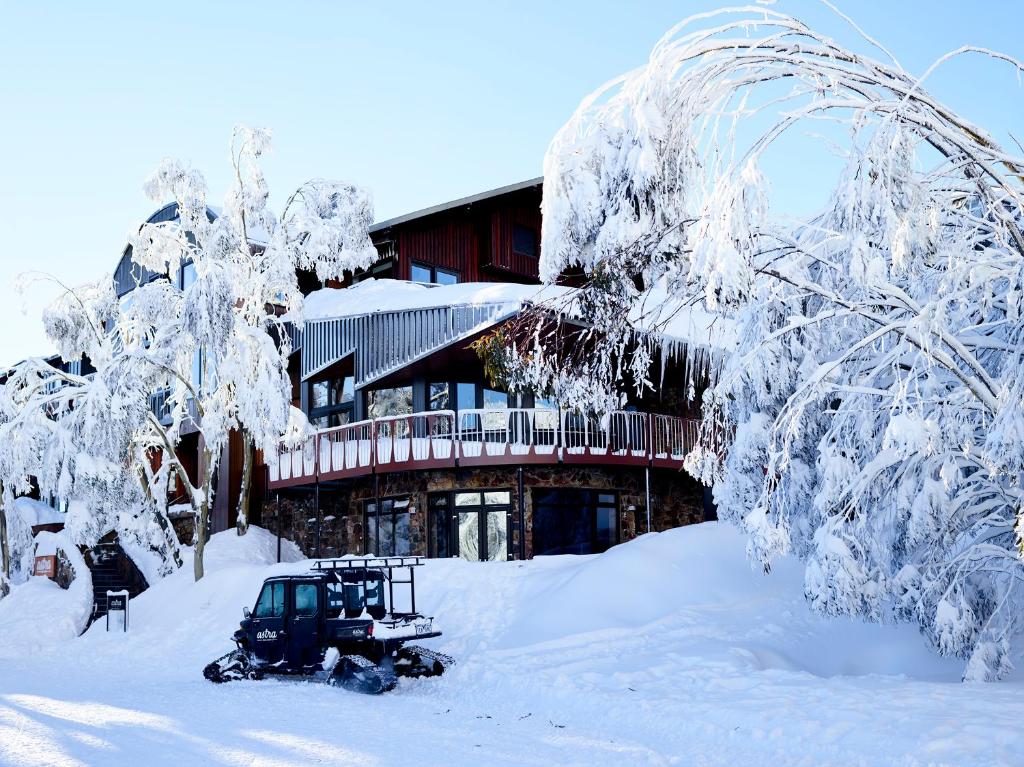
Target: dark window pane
[[524, 240], [342, 390], [567, 521], [384, 402], [321, 391], [439, 399]]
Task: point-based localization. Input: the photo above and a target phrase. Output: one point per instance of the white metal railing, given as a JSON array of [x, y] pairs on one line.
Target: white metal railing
[[416, 437], [346, 448], [508, 431], [442, 437]]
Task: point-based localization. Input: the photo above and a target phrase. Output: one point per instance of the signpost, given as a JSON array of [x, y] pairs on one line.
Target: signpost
[[46, 566], [118, 601]]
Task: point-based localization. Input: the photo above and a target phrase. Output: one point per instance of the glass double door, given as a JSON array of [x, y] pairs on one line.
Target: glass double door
[[472, 525]]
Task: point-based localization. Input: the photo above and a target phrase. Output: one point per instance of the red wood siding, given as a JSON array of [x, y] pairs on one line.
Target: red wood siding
[[502, 256], [450, 243]]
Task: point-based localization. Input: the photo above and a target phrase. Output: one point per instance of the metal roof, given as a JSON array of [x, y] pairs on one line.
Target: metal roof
[[473, 198]]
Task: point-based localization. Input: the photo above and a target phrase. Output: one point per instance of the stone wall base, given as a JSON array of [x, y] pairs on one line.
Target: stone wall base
[[330, 523]]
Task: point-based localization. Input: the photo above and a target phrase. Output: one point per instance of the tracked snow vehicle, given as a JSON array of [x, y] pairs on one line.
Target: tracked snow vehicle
[[337, 624]]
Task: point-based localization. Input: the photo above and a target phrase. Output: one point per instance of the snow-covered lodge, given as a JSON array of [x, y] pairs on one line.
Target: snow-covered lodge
[[414, 449]]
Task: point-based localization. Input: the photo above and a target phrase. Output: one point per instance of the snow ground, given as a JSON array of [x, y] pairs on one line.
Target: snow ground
[[665, 651]]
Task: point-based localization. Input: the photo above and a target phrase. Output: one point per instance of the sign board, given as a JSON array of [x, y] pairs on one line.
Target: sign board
[[117, 605], [45, 566]]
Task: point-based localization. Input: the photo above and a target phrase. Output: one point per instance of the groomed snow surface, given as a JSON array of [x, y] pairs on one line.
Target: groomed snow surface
[[666, 650]]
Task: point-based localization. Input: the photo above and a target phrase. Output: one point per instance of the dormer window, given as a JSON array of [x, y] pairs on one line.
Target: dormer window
[[432, 275]]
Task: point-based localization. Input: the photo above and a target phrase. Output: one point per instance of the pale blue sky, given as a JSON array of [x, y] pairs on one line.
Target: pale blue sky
[[420, 102]]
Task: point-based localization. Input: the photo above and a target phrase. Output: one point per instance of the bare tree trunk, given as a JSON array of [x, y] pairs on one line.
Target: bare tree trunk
[[242, 525], [204, 512], [170, 536], [5, 551]]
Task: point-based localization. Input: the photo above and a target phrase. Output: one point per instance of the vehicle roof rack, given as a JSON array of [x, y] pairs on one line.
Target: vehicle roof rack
[[367, 562]]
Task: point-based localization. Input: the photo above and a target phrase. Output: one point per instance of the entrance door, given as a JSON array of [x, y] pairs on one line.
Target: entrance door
[[480, 525], [303, 642]]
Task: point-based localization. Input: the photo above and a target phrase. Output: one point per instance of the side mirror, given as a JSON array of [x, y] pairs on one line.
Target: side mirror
[[246, 613]]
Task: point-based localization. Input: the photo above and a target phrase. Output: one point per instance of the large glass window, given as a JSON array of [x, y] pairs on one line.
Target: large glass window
[[473, 525], [331, 402], [385, 402], [271, 601], [438, 396], [388, 532], [572, 521], [465, 396]]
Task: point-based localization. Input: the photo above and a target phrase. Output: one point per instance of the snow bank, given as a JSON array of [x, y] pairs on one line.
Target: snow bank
[[665, 650], [38, 615]]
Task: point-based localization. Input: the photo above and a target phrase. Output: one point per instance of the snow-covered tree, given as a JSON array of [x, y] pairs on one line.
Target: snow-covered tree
[[246, 262], [876, 397], [96, 438]]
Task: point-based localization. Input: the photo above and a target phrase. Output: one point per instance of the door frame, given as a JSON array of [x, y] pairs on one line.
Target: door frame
[[450, 519]]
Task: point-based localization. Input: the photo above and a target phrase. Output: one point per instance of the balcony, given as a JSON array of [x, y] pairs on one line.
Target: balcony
[[485, 437]]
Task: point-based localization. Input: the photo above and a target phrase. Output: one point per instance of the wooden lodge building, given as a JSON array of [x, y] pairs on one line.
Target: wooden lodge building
[[413, 450]]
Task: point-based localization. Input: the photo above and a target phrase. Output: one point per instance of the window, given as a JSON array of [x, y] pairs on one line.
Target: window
[[421, 273], [524, 240], [188, 275], [271, 601], [434, 275], [331, 402], [446, 277], [438, 397], [474, 525], [385, 402], [388, 532], [465, 396], [197, 368], [306, 601], [570, 521]]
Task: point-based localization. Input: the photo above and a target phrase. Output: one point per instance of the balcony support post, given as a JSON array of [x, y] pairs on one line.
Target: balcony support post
[[317, 494], [522, 515], [647, 493]]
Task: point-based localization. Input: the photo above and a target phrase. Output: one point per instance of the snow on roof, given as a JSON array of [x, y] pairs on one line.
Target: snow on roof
[[389, 295], [656, 309], [473, 198]]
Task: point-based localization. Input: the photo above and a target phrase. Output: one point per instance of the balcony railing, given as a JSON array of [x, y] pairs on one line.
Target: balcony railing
[[444, 439]]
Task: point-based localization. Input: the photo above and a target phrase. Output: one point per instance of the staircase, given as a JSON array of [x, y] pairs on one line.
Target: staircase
[[111, 570]]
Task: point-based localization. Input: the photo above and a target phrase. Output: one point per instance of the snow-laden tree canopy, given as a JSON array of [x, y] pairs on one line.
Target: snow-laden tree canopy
[[246, 262], [876, 396], [96, 438]]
